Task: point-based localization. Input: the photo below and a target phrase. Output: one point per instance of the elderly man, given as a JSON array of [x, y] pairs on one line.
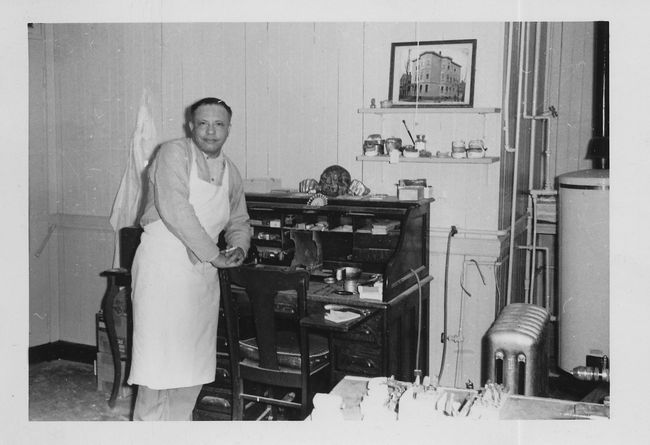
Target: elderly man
[[195, 192]]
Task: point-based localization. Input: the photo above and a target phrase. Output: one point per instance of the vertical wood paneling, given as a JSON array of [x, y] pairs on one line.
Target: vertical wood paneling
[[326, 94], [200, 60], [296, 82], [171, 74], [510, 95], [39, 273], [348, 41], [99, 74], [295, 117], [571, 72], [98, 108], [258, 105], [584, 122], [84, 257]]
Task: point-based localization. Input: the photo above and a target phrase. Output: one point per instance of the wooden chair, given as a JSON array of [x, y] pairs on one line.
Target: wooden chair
[[281, 354], [118, 281]]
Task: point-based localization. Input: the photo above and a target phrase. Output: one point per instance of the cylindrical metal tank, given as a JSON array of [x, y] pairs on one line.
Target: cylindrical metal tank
[[583, 261]]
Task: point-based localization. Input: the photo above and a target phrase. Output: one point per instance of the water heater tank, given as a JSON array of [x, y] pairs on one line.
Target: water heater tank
[[583, 260]]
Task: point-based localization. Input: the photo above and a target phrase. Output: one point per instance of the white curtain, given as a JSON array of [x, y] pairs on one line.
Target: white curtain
[[126, 209]]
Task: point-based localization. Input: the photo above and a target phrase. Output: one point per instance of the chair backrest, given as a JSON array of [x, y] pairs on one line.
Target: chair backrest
[[129, 241], [261, 283]]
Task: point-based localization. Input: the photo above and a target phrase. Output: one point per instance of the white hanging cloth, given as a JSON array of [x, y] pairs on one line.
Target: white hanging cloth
[[126, 209]]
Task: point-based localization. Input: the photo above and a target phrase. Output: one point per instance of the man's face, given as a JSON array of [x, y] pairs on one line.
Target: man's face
[[210, 126]]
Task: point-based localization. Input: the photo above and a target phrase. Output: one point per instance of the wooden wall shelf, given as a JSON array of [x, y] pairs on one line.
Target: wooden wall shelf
[[412, 110], [432, 160]]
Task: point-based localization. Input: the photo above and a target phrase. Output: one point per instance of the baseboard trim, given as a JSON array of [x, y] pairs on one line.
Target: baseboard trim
[[63, 350]]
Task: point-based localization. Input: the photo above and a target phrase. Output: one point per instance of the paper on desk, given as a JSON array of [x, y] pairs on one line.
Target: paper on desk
[[370, 292], [341, 316]]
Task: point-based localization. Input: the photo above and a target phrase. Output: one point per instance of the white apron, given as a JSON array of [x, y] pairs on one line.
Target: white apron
[[175, 302]]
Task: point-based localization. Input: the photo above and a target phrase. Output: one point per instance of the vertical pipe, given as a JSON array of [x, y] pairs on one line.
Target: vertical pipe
[[547, 283], [530, 273], [547, 142], [547, 152], [533, 251], [530, 167], [506, 100], [513, 215], [534, 111]]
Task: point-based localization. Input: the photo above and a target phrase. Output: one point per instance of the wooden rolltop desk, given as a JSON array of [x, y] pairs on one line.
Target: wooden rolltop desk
[[384, 237]]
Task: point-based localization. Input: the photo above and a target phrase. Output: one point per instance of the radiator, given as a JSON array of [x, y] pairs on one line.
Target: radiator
[[515, 350]]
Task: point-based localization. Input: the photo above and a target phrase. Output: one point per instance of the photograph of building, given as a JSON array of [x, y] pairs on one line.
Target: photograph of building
[[432, 77]]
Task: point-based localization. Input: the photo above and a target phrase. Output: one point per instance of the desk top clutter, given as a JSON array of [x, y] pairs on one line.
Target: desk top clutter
[[383, 399]]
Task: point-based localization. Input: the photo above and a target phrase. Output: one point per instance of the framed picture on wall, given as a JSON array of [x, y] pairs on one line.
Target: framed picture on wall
[[432, 74]]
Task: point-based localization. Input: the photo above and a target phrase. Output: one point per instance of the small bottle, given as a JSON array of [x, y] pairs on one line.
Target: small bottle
[[420, 143]]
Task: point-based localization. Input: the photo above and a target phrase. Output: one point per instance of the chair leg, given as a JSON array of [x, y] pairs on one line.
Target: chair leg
[[109, 320], [305, 370], [237, 401]]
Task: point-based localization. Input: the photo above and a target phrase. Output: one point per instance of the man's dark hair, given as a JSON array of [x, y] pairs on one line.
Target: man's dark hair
[[210, 101]]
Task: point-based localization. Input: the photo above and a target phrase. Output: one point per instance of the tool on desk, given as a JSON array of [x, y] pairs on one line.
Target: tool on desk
[[342, 307], [408, 131]]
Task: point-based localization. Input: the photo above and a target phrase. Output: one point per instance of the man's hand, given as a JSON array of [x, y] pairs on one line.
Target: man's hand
[[231, 257]]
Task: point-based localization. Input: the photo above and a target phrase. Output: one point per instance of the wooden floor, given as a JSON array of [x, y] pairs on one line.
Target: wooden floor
[[66, 390]]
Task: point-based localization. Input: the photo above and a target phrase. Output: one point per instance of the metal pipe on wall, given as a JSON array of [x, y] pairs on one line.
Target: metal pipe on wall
[[532, 252], [513, 215], [506, 99], [547, 279], [532, 238], [531, 161], [470, 231]]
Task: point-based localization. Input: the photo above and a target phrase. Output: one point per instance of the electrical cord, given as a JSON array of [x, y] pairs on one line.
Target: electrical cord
[[459, 336], [452, 232], [459, 349], [418, 370]]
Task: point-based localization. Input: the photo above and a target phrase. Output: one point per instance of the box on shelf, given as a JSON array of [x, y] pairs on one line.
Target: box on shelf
[[104, 346], [102, 335], [121, 321], [261, 185], [413, 192]]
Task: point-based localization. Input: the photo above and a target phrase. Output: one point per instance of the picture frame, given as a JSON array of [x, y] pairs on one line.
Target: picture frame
[[432, 74]]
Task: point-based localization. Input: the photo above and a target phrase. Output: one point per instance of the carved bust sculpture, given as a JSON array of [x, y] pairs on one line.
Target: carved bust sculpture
[[335, 181]]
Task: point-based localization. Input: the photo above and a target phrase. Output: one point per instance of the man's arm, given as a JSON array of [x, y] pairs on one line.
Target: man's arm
[[171, 195], [237, 231]]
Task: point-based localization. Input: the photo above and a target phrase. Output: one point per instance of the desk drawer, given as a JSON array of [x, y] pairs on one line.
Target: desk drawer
[[369, 331], [372, 255], [357, 359], [368, 240]]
